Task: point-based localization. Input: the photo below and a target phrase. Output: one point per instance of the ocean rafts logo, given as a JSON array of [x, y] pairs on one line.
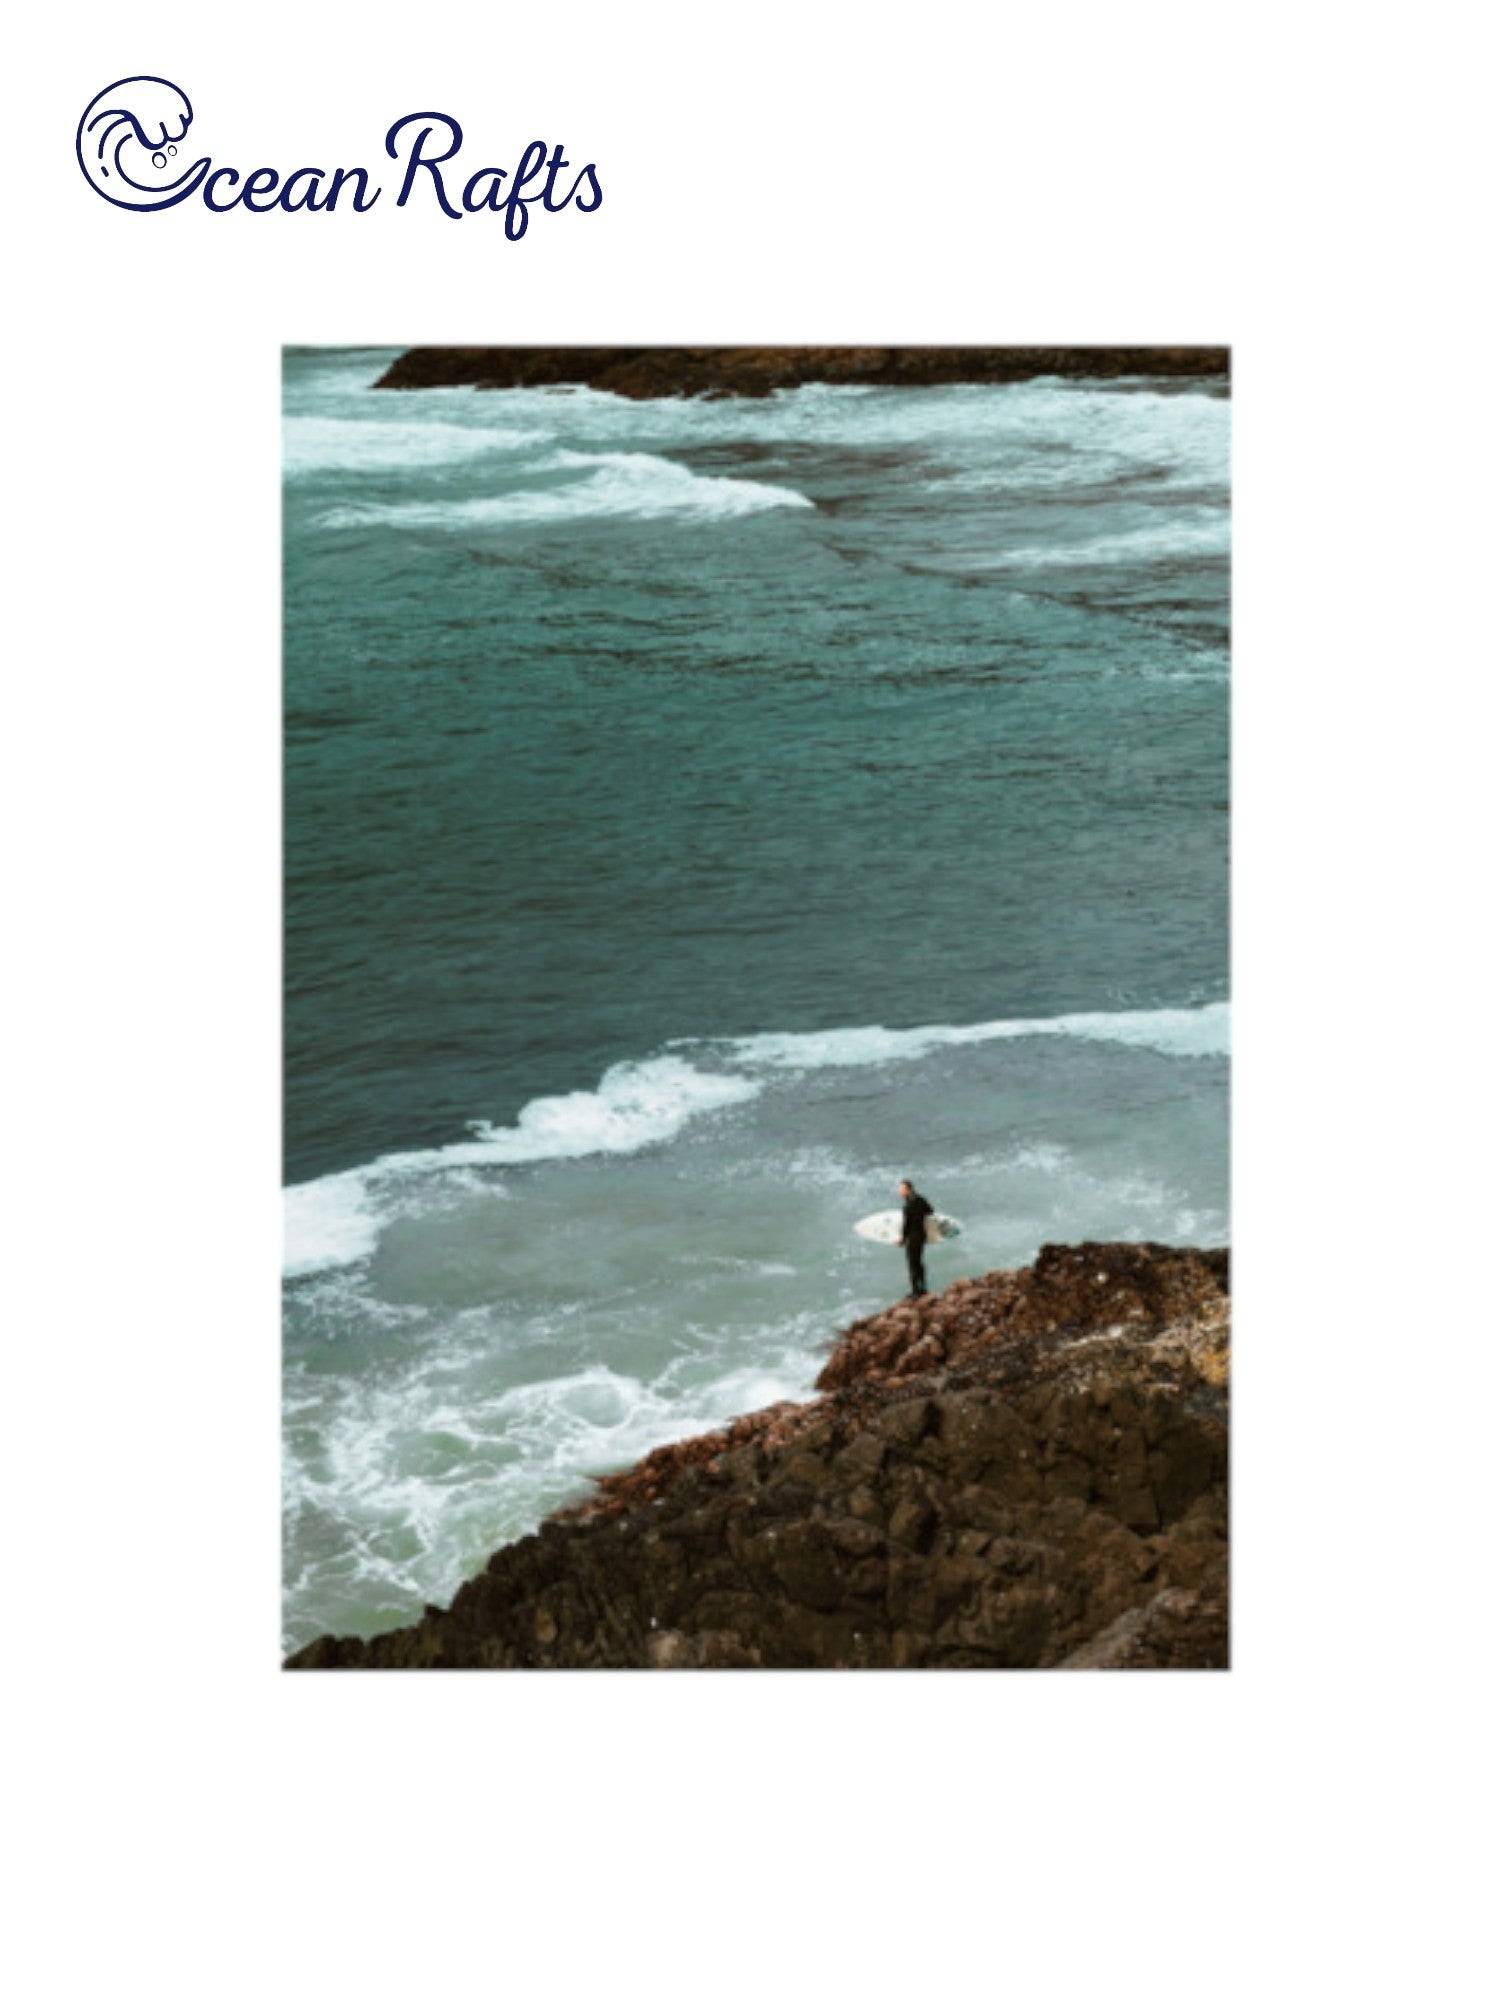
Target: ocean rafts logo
[[133, 135]]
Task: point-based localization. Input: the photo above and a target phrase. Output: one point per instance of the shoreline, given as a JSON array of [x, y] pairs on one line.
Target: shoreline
[[755, 372], [1028, 1469]]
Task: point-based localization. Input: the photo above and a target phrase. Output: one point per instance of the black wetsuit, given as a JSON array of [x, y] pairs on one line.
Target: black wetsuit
[[915, 1210]]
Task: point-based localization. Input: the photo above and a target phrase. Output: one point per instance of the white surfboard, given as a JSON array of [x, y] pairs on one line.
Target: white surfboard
[[886, 1227]]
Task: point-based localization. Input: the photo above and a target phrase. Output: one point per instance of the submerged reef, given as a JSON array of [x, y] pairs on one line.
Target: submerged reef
[[748, 372], [1029, 1469]]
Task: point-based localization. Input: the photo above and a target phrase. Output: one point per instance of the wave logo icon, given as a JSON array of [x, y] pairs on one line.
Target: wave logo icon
[[128, 144]]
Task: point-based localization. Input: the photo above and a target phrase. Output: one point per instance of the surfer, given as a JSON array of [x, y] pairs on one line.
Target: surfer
[[916, 1210]]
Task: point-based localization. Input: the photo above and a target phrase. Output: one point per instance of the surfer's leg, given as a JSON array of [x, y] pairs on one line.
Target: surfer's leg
[[916, 1279]]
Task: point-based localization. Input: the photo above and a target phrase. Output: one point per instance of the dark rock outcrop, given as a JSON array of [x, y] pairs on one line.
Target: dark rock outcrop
[[751, 373], [1029, 1469]]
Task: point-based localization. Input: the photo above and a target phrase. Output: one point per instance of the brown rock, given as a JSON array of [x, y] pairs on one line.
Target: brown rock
[[1053, 1490], [912, 1524], [754, 373]]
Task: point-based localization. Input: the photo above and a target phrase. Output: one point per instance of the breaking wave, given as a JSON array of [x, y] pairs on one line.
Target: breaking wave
[[605, 486], [335, 1221], [313, 443], [1178, 1032], [328, 1223]]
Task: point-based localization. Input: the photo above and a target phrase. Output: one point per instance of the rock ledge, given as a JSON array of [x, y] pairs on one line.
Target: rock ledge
[[750, 372], [1027, 1470]]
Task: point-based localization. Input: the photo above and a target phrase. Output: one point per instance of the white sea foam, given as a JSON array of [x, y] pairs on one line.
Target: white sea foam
[[335, 1221], [613, 486], [636, 1105], [649, 486], [1198, 536], [312, 443], [1179, 1032], [1030, 438], [398, 1488], [328, 1223], [1090, 421]]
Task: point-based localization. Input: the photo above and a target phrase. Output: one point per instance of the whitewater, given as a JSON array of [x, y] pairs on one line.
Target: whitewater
[[335, 1220]]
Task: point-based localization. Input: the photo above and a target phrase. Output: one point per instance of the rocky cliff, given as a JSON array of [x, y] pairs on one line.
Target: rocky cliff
[[752, 373], [1027, 1470]]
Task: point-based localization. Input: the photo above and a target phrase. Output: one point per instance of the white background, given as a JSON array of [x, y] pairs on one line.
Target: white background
[[200, 1832]]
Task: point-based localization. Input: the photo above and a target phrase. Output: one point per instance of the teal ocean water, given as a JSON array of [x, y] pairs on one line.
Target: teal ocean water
[[699, 814]]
